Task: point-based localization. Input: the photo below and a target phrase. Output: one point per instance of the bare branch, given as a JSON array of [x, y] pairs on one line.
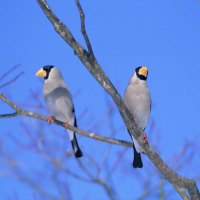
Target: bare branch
[[20, 111], [83, 30], [9, 71], [94, 68], [182, 193], [4, 75], [97, 72], [14, 114], [12, 80], [109, 191]]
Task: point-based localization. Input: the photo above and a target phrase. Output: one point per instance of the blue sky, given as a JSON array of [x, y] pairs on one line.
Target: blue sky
[[164, 36]]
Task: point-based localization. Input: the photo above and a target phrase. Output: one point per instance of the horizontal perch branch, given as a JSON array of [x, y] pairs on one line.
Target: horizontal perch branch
[[91, 135]]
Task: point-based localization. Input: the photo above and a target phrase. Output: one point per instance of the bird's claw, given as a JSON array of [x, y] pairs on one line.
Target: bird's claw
[[50, 119], [144, 137], [66, 124]]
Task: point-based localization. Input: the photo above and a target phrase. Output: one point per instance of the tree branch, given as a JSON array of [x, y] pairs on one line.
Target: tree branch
[[182, 193], [9, 115], [97, 72], [4, 75], [83, 30], [12, 80], [91, 135], [9, 71]]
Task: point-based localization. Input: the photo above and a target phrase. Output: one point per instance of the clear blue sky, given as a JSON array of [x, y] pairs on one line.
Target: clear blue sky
[[163, 35]]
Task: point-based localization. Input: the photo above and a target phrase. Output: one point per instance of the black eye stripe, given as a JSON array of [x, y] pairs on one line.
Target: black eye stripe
[[139, 75], [47, 68], [137, 69]]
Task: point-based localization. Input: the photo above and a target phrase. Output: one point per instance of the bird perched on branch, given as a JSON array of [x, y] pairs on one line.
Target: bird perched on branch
[[59, 102], [138, 101]]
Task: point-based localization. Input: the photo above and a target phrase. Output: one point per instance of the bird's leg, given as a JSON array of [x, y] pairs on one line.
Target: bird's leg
[[144, 134], [66, 124], [50, 119], [144, 137]]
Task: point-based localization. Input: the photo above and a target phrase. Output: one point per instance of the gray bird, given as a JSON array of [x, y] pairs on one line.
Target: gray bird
[[59, 101], [138, 101]]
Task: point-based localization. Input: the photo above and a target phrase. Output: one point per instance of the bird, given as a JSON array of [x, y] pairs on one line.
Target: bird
[[138, 101], [59, 102]]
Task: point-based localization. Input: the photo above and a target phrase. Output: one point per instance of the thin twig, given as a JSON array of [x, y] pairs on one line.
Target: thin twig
[[182, 193], [109, 191], [83, 30], [14, 114], [12, 80], [9, 71]]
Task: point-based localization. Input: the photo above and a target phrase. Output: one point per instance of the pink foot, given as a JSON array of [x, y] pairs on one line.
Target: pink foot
[[144, 137], [50, 119], [66, 124]]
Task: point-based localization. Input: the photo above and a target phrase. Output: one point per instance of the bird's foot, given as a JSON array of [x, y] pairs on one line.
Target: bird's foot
[[50, 119], [144, 137], [66, 124]]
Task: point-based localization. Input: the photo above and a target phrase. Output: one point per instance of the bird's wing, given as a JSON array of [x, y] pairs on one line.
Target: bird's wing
[[60, 104]]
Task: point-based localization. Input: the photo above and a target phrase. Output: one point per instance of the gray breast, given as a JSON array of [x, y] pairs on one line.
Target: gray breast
[[59, 103], [138, 102]]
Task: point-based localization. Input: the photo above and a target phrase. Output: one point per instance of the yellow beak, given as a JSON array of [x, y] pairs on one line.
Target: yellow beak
[[41, 73], [143, 71]]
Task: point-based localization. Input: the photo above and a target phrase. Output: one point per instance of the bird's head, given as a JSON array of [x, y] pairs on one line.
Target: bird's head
[[49, 72], [45, 71], [142, 72]]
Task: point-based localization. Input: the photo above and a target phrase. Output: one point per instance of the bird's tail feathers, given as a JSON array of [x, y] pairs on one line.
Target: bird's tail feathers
[[137, 161], [77, 152]]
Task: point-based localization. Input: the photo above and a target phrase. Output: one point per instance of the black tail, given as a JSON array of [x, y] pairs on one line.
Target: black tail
[[137, 161], [77, 152]]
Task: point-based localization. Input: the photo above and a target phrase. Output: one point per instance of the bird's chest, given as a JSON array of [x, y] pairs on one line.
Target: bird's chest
[[51, 102], [138, 104], [60, 105]]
